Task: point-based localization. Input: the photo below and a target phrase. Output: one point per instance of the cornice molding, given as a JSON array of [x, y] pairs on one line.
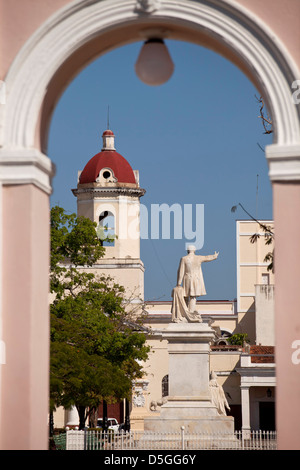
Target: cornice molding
[[26, 166], [110, 192], [284, 162]]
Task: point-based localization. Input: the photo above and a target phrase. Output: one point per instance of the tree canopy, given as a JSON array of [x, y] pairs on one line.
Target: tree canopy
[[96, 344]]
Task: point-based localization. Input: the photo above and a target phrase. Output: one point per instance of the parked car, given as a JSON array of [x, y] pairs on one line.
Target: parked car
[[112, 424]]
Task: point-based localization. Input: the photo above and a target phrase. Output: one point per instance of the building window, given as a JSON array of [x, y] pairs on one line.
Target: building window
[[106, 228], [165, 386], [106, 174]]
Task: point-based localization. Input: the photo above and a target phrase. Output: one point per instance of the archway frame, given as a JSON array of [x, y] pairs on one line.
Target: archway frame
[[226, 28], [249, 42]]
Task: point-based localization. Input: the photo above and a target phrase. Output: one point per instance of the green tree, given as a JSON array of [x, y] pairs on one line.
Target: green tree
[[96, 345], [238, 339]]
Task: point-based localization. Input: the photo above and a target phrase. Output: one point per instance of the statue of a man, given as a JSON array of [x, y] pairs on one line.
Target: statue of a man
[[191, 277]]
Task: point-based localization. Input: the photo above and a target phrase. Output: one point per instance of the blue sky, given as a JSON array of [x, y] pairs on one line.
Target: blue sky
[[194, 141]]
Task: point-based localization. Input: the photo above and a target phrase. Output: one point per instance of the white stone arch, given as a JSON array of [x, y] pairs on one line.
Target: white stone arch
[[249, 42], [105, 207]]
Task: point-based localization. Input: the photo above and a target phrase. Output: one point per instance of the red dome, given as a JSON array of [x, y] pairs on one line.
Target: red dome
[[107, 159]]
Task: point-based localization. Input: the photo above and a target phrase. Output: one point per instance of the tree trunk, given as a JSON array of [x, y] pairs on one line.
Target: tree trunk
[[93, 416], [51, 424], [105, 420], [82, 417]]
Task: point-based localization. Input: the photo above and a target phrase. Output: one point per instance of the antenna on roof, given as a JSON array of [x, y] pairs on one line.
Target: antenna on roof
[[257, 176], [108, 117]]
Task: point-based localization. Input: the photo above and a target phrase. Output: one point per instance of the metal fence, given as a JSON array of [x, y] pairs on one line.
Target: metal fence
[[145, 440], [59, 442]]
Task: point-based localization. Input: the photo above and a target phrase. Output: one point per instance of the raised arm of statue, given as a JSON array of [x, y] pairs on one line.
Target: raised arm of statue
[[210, 257]]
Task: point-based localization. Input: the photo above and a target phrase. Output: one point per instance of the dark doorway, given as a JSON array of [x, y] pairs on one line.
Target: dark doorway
[[236, 412], [267, 416]]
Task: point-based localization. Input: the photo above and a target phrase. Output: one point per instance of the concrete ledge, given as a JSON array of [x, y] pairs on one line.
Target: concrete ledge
[[205, 424]]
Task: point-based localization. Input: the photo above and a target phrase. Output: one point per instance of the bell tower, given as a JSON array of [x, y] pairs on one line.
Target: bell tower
[[108, 193]]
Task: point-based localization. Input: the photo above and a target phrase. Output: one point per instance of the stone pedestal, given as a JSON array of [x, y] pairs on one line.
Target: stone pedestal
[[189, 402]]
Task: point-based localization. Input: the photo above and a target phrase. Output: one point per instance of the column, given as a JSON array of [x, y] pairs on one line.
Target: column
[[284, 171], [245, 396], [24, 302], [287, 307], [72, 417]]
